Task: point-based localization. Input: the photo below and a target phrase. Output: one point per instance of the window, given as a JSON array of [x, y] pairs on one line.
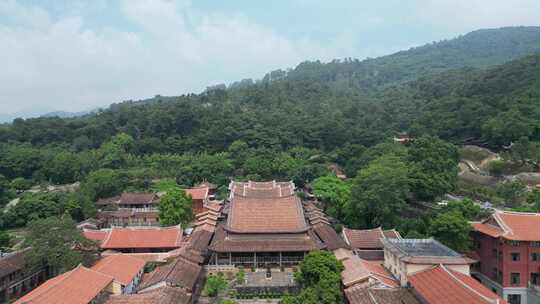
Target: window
[[515, 278], [515, 256], [494, 273], [514, 299], [535, 256], [535, 278], [535, 244], [514, 243], [494, 252]]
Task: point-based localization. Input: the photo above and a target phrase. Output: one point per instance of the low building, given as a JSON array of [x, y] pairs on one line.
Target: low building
[[138, 239], [367, 243], [508, 247], [16, 277], [180, 273], [126, 270], [368, 282], [402, 257], [441, 285], [78, 286], [129, 209]]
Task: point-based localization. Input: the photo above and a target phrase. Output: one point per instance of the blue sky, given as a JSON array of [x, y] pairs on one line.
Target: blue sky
[[76, 55]]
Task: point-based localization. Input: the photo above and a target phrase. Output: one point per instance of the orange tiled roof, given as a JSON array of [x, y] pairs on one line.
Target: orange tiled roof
[[266, 215], [78, 286], [519, 226], [200, 193], [440, 285], [488, 229], [123, 268], [122, 238]]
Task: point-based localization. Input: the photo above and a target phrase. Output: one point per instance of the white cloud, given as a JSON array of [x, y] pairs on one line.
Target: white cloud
[[177, 50], [70, 61]]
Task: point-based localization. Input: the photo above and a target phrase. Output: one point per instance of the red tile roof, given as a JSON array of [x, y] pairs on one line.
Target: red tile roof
[[488, 229], [440, 285], [519, 226], [266, 215], [368, 238], [123, 268], [200, 193], [78, 286], [124, 238]]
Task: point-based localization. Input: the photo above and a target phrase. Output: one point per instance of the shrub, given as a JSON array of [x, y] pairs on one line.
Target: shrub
[[215, 284]]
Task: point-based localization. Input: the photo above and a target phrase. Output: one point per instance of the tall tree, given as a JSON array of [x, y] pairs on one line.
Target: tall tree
[[452, 229], [56, 242], [334, 193], [175, 207], [433, 167], [378, 193], [320, 279]]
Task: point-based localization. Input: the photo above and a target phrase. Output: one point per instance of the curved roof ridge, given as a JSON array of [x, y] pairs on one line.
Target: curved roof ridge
[[488, 299], [500, 221]]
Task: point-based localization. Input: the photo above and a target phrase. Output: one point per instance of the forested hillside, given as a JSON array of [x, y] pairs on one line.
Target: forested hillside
[[298, 125]]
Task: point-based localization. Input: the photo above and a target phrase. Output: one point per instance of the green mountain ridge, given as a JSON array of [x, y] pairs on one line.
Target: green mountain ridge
[[449, 89]]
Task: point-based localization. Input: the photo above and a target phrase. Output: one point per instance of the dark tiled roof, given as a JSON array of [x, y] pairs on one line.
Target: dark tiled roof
[[165, 295], [138, 198], [364, 239], [329, 237], [225, 242], [363, 295], [200, 240], [178, 273], [424, 251], [12, 262]]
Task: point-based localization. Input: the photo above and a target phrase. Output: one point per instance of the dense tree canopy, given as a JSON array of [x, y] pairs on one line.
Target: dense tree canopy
[[56, 242], [175, 208], [320, 279], [334, 193], [378, 193]]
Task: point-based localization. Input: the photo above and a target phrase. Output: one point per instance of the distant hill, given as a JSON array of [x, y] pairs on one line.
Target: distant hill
[[481, 48], [453, 89]]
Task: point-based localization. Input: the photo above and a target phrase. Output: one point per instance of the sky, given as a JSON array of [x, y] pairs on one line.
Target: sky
[[75, 55]]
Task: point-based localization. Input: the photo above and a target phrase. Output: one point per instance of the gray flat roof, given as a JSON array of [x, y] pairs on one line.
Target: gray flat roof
[[422, 247]]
